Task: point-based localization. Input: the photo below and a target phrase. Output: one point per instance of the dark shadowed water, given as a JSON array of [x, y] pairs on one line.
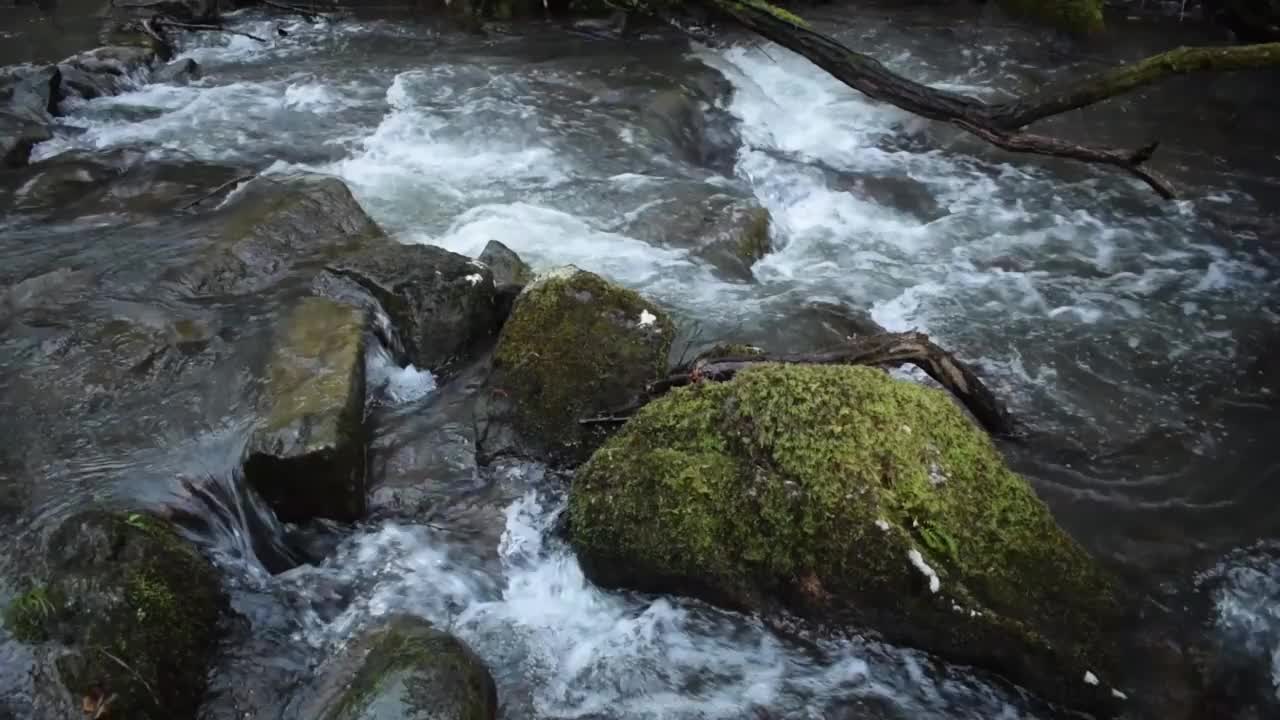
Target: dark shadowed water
[[1134, 338]]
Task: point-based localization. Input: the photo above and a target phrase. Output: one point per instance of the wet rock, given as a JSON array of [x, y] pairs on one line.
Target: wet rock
[[510, 276], [120, 182], [28, 97], [507, 267], [903, 194], [736, 240], [403, 669], [179, 72], [1078, 16], [730, 232], [425, 457], [28, 93], [575, 345], [689, 121], [307, 457], [441, 303], [127, 619], [847, 497], [17, 138], [275, 226]]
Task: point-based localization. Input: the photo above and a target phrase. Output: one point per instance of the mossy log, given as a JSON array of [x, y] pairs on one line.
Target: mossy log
[[884, 349], [999, 123]]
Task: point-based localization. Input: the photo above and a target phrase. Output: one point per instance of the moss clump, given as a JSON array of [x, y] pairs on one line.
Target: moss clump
[[847, 496], [424, 673], [138, 609], [577, 345], [1078, 16], [26, 615]]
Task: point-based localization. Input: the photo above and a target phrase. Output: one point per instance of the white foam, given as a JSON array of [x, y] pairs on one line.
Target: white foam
[[577, 651], [1247, 601], [394, 383]]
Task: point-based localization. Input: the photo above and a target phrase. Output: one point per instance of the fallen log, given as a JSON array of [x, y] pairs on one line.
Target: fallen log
[[884, 349], [997, 123]]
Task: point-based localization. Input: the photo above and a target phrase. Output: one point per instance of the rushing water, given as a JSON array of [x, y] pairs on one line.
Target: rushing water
[[1130, 335]]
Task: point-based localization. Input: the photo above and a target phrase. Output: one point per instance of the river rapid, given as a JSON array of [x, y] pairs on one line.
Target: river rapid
[[1133, 338]]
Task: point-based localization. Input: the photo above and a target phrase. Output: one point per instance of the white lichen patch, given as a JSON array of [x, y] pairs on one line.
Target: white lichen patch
[[935, 583], [1118, 695], [882, 525], [475, 279], [936, 476], [1090, 678], [647, 318]]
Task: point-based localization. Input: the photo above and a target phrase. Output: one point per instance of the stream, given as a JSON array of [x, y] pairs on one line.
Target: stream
[[1133, 338]]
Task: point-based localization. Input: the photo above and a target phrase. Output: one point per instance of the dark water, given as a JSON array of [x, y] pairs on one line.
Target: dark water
[[1133, 337]]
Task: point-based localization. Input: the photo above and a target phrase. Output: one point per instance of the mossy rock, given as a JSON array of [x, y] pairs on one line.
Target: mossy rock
[[307, 456], [856, 500], [575, 346], [404, 669], [1077, 16], [134, 610]]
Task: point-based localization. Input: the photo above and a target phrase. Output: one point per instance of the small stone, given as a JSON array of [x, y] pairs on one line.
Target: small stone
[[1090, 678]]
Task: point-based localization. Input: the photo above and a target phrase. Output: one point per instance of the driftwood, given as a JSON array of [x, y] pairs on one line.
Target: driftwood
[[168, 22], [885, 349], [999, 123]]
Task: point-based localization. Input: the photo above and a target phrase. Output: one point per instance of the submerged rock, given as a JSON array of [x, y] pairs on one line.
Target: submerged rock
[[729, 232], [127, 616], [575, 345], [403, 669], [856, 500], [441, 303], [307, 459], [178, 72], [17, 138], [28, 97]]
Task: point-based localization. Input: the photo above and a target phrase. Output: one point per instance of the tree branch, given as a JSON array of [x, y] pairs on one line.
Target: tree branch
[[997, 123], [891, 349], [1117, 81]]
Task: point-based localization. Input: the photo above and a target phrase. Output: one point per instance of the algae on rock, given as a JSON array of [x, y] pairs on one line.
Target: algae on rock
[[307, 457], [852, 499], [406, 669], [575, 345], [132, 612]]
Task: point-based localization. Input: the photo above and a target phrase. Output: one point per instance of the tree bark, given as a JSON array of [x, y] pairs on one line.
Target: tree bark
[[884, 349], [999, 123]]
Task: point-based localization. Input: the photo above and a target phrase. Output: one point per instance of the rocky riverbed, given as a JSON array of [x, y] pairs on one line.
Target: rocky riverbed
[[295, 335]]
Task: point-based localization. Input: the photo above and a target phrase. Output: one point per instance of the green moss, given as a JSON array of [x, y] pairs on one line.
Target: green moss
[[1079, 16], [139, 615], [810, 487], [418, 666], [27, 614], [575, 346]]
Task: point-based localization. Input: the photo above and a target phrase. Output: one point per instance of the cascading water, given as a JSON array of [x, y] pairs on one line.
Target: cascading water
[[1126, 329]]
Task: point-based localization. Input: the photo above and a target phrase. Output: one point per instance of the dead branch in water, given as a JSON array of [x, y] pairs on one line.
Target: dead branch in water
[[999, 123], [883, 349]]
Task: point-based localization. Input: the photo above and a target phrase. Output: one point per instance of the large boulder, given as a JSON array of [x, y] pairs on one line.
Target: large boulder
[[28, 97], [307, 458], [403, 669], [127, 617], [441, 303], [851, 498], [576, 345], [103, 71], [728, 231], [273, 227]]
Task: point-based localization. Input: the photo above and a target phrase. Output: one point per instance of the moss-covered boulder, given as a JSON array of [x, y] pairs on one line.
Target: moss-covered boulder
[[853, 499], [576, 345], [307, 457], [1078, 16], [130, 613], [440, 303], [403, 669]]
